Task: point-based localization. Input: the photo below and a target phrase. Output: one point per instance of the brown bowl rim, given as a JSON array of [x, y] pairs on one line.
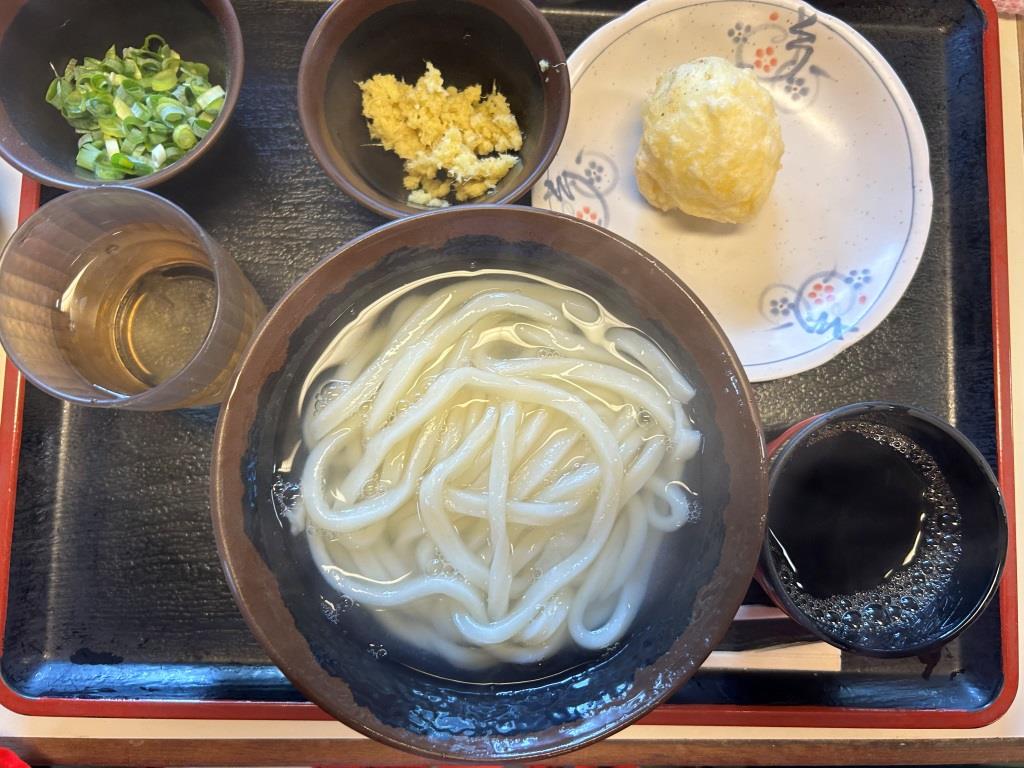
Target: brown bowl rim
[[543, 44], [224, 12], [255, 587]]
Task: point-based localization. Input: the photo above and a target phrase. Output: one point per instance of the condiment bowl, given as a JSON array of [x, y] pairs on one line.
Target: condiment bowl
[[40, 36], [958, 557], [329, 647], [507, 43]]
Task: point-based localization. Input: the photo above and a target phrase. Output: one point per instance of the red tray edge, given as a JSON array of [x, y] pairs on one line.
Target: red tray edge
[[669, 714]]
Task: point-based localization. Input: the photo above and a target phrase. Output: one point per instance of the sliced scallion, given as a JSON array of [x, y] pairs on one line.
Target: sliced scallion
[[171, 111], [131, 166], [183, 137], [104, 170], [209, 96], [136, 112], [121, 108], [87, 157]]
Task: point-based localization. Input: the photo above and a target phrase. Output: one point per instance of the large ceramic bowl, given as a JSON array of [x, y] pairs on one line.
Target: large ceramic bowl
[[324, 650], [35, 34]]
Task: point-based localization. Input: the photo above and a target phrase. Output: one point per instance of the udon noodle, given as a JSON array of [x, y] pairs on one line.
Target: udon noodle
[[492, 464]]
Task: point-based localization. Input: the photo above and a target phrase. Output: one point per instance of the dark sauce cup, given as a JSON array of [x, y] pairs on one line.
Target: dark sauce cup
[[886, 529]]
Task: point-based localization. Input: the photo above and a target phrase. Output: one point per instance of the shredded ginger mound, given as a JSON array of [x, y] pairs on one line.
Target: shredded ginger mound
[[452, 141]]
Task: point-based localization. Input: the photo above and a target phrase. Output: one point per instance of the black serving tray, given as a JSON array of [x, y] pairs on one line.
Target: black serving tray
[[117, 604]]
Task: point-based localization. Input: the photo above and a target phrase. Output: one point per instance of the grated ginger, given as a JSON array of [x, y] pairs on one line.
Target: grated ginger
[[452, 141]]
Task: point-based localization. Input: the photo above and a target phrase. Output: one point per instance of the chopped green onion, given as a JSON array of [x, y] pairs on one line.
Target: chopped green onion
[[87, 157], [183, 137], [200, 127], [132, 166], [133, 140], [74, 105], [105, 171], [99, 105], [56, 93], [171, 112], [111, 62], [131, 69], [146, 43], [182, 93], [208, 97], [129, 91], [136, 112], [165, 80], [152, 139], [121, 108], [99, 81], [110, 125], [158, 131], [141, 111], [196, 69]]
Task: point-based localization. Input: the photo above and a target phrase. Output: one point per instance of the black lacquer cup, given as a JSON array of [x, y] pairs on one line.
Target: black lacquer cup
[[886, 533]]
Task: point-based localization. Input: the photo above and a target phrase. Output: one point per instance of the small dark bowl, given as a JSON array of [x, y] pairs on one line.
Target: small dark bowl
[[323, 651], [470, 41], [35, 138], [983, 528]]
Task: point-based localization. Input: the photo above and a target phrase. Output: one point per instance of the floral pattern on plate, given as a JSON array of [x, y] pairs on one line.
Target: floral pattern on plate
[[781, 54], [581, 189]]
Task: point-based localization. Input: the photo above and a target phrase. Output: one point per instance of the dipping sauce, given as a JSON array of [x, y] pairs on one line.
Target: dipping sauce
[[865, 532]]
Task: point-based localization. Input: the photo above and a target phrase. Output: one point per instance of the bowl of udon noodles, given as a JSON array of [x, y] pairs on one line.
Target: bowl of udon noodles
[[489, 484]]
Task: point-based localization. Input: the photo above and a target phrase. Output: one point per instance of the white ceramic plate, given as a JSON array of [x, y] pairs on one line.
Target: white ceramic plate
[[842, 233]]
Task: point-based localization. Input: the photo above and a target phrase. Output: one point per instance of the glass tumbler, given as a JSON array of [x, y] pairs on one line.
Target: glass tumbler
[[115, 297]]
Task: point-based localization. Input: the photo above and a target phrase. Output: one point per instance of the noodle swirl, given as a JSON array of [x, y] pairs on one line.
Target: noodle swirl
[[494, 469]]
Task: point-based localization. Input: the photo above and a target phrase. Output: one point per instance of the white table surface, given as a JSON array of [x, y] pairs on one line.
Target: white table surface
[[1010, 725]]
